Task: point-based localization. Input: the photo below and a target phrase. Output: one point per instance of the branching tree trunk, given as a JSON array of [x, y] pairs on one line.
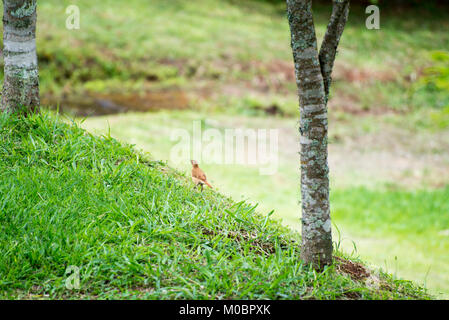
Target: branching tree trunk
[[21, 79], [313, 77]]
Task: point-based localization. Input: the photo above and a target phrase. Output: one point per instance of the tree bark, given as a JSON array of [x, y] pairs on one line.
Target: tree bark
[[328, 50], [313, 79], [21, 77]]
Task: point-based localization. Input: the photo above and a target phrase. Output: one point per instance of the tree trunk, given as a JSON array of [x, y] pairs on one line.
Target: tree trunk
[[313, 79], [21, 77]]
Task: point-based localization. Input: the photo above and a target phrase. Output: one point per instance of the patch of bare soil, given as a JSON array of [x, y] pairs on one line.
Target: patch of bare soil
[[277, 73], [354, 269], [350, 104], [278, 77], [352, 295], [213, 80], [271, 110], [347, 73], [102, 104]]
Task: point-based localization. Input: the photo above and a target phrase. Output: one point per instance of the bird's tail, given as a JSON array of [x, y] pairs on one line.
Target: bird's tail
[[208, 184]]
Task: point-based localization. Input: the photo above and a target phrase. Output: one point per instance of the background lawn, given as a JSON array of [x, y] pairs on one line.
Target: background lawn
[[141, 69]]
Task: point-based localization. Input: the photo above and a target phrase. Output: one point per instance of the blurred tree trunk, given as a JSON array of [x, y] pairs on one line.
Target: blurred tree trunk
[[313, 77], [21, 78]]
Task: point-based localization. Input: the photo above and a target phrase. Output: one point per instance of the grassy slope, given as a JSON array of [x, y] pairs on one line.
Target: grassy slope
[[124, 46], [221, 44], [137, 229], [395, 213]]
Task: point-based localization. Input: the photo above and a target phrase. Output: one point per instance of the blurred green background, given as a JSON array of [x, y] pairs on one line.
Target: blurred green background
[[141, 69]]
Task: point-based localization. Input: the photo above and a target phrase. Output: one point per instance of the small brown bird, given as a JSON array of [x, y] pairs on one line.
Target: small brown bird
[[198, 176]]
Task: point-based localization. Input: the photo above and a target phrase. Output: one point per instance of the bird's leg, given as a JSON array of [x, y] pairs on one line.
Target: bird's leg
[[201, 187]]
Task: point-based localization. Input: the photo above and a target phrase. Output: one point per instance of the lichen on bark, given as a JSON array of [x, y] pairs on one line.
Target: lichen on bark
[[27, 9], [21, 77], [313, 72]]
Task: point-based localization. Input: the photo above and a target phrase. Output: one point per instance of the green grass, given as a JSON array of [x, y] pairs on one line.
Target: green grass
[[411, 225], [228, 57], [394, 210], [137, 229]]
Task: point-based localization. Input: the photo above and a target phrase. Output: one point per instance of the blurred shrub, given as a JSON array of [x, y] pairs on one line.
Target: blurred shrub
[[432, 90], [437, 76], [440, 119]]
